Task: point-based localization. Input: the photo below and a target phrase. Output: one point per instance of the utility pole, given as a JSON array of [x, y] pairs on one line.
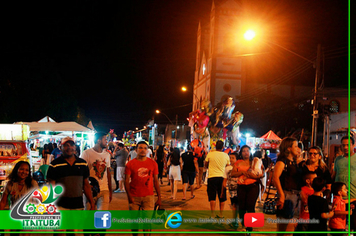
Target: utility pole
[[315, 99]]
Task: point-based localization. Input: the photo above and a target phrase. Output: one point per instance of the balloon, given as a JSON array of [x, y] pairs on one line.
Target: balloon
[[228, 107], [224, 133], [214, 130], [206, 141], [235, 136], [203, 120], [210, 124], [207, 107], [198, 130], [194, 143], [238, 118], [228, 151], [198, 151]]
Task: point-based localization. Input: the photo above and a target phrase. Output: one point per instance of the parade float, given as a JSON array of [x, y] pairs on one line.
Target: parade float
[[210, 124]]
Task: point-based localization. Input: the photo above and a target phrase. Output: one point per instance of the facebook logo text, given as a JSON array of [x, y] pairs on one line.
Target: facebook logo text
[[102, 219]]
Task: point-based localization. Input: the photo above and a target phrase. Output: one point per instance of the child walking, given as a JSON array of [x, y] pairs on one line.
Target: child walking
[[338, 221], [318, 207], [231, 182], [306, 191]]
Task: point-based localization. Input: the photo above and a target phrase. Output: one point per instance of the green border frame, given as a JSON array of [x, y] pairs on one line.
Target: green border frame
[[349, 105], [253, 232]]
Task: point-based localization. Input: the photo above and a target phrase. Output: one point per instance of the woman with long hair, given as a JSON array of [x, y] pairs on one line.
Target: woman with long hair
[[160, 158], [248, 182], [175, 162], [315, 164], [20, 183], [287, 179]]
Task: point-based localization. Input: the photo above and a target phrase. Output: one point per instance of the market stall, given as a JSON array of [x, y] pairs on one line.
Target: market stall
[[269, 142], [48, 130], [13, 148]]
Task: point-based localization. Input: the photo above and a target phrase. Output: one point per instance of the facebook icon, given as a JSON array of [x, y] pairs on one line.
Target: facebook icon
[[102, 219]]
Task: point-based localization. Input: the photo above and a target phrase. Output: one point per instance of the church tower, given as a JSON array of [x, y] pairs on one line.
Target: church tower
[[218, 72]]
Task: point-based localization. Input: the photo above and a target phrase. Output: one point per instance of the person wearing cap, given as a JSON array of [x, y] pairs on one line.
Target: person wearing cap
[[98, 160], [72, 173]]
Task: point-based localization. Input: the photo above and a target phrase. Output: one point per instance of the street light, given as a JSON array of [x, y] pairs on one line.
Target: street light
[[250, 34], [159, 112], [184, 89]]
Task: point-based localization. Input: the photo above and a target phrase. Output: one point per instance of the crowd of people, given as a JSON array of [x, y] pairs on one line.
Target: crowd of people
[[304, 187]]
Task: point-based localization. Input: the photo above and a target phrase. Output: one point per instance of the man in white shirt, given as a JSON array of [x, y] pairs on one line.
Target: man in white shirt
[[132, 153], [216, 161], [149, 153], [98, 161]]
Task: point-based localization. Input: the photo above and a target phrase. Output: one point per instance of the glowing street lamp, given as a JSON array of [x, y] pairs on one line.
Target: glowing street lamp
[[159, 112], [250, 34], [184, 89]]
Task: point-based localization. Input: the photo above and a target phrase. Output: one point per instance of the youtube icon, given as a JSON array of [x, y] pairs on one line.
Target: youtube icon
[[254, 220]]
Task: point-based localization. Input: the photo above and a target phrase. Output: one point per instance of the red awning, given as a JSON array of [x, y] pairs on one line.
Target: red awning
[[271, 135]]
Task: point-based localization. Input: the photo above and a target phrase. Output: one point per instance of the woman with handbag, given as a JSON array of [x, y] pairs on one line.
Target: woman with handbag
[[248, 182], [287, 179]]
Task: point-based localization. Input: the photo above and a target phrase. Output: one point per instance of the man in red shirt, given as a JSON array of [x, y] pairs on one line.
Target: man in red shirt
[[143, 173]]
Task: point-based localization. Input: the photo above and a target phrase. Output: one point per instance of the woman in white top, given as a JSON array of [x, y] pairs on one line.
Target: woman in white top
[[175, 164]]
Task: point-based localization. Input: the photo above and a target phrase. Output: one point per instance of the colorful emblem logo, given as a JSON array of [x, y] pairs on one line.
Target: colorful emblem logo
[[37, 209]]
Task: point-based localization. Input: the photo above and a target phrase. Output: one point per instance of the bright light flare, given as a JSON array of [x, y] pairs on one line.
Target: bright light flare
[[158, 111], [184, 89], [249, 35]]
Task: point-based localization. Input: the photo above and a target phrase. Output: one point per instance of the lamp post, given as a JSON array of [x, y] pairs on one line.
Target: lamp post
[[175, 138], [250, 34], [184, 89], [159, 112]]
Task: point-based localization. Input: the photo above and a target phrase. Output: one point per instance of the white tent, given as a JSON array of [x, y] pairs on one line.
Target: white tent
[[46, 119], [48, 124]]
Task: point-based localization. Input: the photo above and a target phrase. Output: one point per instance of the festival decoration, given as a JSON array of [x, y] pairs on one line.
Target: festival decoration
[[196, 146], [219, 123], [111, 135]]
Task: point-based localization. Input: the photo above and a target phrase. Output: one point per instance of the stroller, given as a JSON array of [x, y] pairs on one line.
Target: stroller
[[41, 175]]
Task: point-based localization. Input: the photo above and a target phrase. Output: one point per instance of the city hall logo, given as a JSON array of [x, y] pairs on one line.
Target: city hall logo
[[37, 209]]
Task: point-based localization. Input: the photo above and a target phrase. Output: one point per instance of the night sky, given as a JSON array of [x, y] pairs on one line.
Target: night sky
[[116, 62]]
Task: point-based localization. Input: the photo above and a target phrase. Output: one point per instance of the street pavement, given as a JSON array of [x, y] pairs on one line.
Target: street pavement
[[198, 203]]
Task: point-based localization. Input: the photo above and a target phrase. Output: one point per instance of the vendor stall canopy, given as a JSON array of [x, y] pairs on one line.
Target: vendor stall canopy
[[271, 135], [47, 123]]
